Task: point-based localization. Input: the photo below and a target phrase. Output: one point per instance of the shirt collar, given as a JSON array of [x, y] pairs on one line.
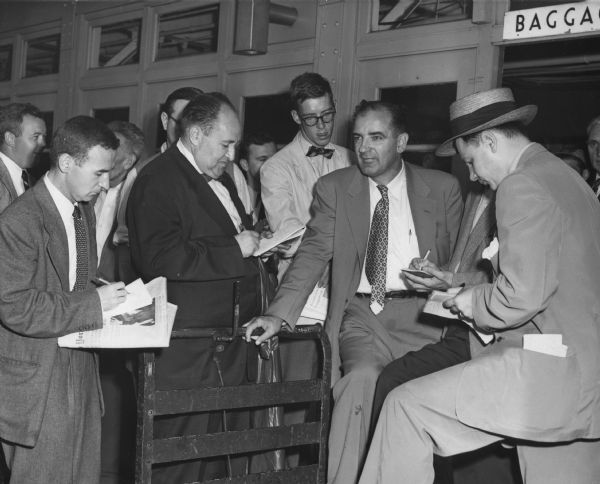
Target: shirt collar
[[188, 155], [63, 204], [14, 170], [396, 185]]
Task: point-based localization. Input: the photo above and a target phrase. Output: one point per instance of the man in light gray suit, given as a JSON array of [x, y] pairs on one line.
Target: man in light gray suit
[[538, 383], [50, 416]]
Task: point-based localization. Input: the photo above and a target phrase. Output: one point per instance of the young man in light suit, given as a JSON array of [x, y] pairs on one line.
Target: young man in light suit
[[51, 404], [543, 395], [372, 319]]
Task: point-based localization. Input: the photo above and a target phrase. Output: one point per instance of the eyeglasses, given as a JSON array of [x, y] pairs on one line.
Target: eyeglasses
[[313, 120], [175, 120]]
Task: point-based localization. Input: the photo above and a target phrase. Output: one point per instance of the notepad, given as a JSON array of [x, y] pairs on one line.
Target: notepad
[[279, 237]]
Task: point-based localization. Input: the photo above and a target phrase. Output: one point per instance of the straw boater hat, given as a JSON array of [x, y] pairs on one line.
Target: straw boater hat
[[481, 111]]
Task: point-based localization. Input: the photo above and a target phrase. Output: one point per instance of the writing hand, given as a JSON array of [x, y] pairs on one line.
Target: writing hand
[[111, 295]]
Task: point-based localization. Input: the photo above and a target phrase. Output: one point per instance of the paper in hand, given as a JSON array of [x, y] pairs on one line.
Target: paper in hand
[[434, 305], [282, 235]]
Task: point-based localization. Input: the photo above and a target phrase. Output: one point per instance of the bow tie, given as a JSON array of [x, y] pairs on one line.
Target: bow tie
[[317, 150]]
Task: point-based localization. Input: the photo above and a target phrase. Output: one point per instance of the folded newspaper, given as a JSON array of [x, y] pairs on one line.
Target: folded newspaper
[[144, 320]]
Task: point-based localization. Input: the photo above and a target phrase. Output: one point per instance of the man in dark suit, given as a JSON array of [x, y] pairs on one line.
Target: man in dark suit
[[51, 402], [22, 137], [187, 223], [373, 316]]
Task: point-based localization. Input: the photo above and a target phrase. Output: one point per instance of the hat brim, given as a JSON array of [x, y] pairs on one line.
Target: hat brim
[[524, 114]]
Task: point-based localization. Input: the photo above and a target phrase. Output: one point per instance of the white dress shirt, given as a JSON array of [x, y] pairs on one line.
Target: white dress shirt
[[403, 245], [65, 209], [217, 187], [15, 172], [105, 209]]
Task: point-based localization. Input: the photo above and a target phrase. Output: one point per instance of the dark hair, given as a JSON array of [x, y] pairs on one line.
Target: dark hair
[[592, 124], [11, 118], [186, 93], [258, 138], [132, 134], [397, 115], [510, 130], [203, 110], [78, 136], [309, 85]]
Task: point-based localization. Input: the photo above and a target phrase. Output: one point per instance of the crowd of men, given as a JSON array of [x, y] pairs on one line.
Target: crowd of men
[[416, 398]]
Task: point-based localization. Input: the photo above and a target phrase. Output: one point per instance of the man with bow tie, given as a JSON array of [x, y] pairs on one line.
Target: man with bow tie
[[369, 220], [187, 223]]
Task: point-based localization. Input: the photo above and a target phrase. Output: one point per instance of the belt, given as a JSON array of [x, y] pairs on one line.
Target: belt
[[403, 294]]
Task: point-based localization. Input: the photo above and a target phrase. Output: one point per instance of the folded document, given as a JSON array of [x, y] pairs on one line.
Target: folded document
[[549, 344]]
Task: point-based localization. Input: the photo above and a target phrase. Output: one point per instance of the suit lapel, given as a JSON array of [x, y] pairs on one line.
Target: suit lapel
[[482, 232], [422, 209], [358, 203], [57, 245], [6, 180], [465, 228]]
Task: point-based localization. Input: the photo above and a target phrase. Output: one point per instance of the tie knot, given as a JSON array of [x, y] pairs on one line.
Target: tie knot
[[318, 150], [76, 212], [383, 190]]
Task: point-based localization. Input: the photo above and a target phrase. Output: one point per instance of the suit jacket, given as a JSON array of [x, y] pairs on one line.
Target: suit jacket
[[8, 194], [339, 230], [548, 282], [36, 307], [178, 228]]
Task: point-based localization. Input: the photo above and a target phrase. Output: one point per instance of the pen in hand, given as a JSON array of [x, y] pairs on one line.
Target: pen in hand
[[425, 257], [99, 282]]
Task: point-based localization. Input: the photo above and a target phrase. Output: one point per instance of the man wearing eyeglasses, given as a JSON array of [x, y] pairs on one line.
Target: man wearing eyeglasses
[[287, 182]]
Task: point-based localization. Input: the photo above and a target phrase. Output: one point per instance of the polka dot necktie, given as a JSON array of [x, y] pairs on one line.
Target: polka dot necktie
[[81, 246], [376, 262]]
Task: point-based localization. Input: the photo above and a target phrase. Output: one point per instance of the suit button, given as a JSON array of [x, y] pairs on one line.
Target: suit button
[[219, 348]]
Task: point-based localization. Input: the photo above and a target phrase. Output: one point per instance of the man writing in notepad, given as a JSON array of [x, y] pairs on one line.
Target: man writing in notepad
[[534, 393]]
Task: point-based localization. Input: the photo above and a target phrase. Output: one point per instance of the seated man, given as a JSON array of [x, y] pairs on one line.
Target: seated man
[[527, 385], [370, 221]]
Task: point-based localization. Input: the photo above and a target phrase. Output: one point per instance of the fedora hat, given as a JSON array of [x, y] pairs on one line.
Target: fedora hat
[[483, 110]]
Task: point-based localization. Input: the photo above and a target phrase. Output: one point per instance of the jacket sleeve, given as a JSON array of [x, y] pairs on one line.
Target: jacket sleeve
[[28, 309], [530, 240], [315, 251]]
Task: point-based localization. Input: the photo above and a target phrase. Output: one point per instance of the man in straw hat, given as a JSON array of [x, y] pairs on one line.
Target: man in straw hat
[[537, 383]]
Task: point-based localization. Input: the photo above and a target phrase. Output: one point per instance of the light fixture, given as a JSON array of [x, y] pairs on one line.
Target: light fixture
[[252, 24]]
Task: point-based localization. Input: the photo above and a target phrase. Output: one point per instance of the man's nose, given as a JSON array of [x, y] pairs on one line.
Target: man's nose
[[105, 181], [231, 153]]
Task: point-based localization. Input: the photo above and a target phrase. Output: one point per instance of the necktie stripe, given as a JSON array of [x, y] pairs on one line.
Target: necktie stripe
[[25, 178]]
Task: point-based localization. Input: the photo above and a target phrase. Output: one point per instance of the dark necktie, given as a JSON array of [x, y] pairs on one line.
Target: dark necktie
[[317, 150], [25, 178], [228, 183], [376, 262], [595, 187], [81, 246]]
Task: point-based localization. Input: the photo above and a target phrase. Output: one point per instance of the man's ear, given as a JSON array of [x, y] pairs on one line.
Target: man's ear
[[401, 142], [65, 162], [129, 162], [244, 164], [296, 117], [489, 139], [9, 139], [195, 135], [164, 119]]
